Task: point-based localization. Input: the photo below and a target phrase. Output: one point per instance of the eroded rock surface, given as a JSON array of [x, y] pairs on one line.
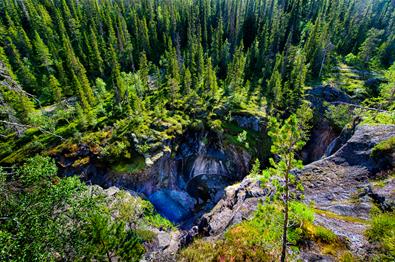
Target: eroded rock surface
[[185, 183]]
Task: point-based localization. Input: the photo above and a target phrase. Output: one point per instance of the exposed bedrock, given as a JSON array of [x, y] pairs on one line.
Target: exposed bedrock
[[185, 183], [342, 184]]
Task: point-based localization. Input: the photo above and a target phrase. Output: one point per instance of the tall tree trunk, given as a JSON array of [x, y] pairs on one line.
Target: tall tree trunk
[[285, 224]]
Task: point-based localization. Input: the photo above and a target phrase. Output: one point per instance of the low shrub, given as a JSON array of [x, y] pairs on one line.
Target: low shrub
[[384, 147], [382, 233], [257, 239]]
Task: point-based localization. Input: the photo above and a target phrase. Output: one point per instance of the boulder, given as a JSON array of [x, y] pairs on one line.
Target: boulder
[[238, 203], [172, 204]]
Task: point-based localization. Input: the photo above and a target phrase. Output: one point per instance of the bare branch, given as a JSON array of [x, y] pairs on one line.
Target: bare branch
[[29, 126], [358, 106]]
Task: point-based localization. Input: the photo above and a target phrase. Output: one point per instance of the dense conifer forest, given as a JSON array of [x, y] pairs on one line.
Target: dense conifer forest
[[118, 84]]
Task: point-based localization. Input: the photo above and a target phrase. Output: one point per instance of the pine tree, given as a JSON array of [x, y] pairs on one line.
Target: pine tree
[[210, 81], [368, 47], [43, 55], [235, 74], [287, 139], [23, 69], [55, 87], [187, 82]]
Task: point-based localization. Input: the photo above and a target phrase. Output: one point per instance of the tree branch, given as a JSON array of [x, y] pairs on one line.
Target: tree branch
[[358, 106], [29, 126]]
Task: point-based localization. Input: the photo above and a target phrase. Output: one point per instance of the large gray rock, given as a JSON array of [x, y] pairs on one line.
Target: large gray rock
[[334, 182], [238, 203], [342, 185]]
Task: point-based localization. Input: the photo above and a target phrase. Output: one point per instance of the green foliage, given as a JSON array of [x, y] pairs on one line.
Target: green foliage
[[38, 170], [242, 137], [257, 239], [351, 59], [108, 239], [136, 164], [154, 219], [382, 233], [385, 147], [157, 70], [387, 90], [339, 115], [287, 139], [376, 118], [255, 170], [160, 64], [61, 219], [325, 235]]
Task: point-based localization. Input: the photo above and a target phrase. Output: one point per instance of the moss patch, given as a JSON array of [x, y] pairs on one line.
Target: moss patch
[[384, 148], [330, 214], [133, 166]]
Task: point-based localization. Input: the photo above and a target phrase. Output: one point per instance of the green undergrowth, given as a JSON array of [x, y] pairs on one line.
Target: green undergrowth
[[250, 140], [349, 79], [385, 147], [135, 165], [152, 218], [371, 117], [381, 233], [259, 239]]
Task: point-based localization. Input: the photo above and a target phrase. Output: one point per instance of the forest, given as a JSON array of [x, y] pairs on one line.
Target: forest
[[123, 122]]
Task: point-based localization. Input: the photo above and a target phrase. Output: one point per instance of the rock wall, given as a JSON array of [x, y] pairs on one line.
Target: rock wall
[[184, 183]]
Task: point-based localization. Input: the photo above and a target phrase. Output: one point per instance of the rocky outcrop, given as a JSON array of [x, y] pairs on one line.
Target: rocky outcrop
[[341, 186], [249, 122], [332, 183], [238, 203], [321, 136], [321, 94], [323, 133]]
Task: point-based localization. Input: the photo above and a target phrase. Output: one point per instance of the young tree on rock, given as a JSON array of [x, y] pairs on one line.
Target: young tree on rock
[[287, 138]]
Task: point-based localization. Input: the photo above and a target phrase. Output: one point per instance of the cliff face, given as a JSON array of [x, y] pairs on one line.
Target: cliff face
[[189, 180], [323, 132]]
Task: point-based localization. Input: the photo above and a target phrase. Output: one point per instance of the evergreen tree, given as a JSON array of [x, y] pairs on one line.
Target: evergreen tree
[[43, 54], [368, 47], [211, 86], [274, 90], [287, 139], [55, 87]]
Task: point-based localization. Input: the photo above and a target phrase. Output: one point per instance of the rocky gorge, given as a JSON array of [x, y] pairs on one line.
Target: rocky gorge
[[199, 181], [342, 186]]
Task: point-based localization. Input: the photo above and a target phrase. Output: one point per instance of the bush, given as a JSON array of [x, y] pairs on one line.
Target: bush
[[199, 250], [383, 148], [154, 219], [382, 233], [352, 59], [258, 239], [339, 115], [325, 235], [38, 169]]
